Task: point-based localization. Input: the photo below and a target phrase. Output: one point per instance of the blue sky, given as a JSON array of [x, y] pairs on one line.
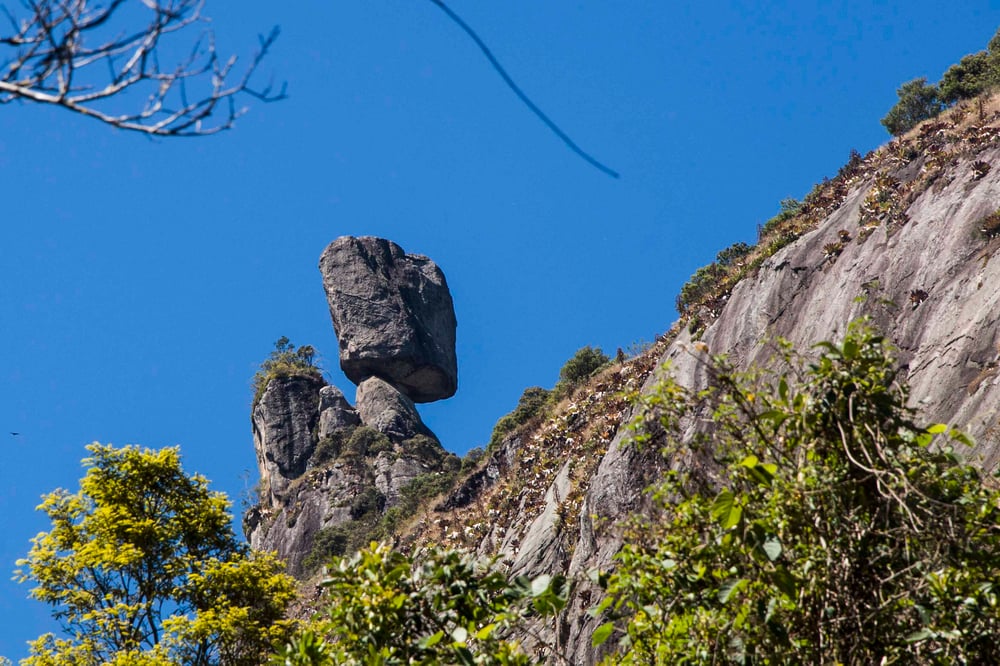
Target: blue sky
[[143, 281]]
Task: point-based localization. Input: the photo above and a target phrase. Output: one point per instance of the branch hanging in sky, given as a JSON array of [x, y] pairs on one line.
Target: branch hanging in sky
[[520, 93], [85, 56]]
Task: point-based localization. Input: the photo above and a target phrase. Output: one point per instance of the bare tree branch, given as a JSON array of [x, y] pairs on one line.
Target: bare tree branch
[[520, 93], [89, 57]]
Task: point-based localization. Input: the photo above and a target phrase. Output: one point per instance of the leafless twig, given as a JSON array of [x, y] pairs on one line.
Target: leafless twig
[[93, 57]]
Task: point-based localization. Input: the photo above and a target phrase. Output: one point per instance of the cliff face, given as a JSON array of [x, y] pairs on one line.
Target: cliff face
[[906, 236]]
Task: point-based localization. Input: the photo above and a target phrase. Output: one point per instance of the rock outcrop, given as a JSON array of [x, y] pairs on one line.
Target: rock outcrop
[[335, 413], [284, 419], [383, 407], [393, 316], [325, 465]]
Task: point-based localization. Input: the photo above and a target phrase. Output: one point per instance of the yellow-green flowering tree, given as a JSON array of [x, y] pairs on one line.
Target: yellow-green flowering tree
[[141, 566]]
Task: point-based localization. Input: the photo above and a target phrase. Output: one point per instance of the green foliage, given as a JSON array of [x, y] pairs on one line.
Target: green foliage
[[331, 446], [788, 208], [413, 496], [918, 101], [286, 360], [733, 254], [578, 369], [842, 532], [972, 75], [702, 284], [471, 459], [438, 607], [531, 403], [365, 440], [141, 566]]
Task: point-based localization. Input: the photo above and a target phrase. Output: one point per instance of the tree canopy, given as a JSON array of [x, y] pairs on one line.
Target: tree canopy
[[141, 566]]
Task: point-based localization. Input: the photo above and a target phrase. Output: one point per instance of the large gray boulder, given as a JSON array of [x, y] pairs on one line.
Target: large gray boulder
[[393, 316], [383, 407]]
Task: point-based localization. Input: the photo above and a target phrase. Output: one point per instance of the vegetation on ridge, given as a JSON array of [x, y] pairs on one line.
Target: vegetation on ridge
[[972, 76], [830, 527], [286, 360]]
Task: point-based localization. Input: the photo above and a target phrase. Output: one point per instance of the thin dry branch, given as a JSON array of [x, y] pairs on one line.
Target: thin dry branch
[[94, 58]]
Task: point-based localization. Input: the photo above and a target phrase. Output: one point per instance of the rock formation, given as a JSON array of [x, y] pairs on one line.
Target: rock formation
[[909, 236], [383, 407], [393, 316], [906, 236], [324, 464]]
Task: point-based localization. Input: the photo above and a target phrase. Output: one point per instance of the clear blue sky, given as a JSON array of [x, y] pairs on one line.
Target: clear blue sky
[[142, 281]]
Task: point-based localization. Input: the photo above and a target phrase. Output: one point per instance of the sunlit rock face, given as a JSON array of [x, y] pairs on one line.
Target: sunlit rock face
[[383, 407], [335, 413], [284, 419], [393, 316]]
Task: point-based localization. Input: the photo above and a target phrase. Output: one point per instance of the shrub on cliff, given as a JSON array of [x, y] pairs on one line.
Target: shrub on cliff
[[529, 404], [286, 360], [580, 367], [438, 607], [841, 532], [918, 101]]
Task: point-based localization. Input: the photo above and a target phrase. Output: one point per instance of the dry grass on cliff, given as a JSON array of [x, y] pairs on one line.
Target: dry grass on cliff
[[575, 433]]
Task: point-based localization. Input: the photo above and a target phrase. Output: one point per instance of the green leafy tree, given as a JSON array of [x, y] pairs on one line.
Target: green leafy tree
[[841, 533], [969, 77], [530, 404], [584, 363], [918, 101], [141, 566], [438, 607]]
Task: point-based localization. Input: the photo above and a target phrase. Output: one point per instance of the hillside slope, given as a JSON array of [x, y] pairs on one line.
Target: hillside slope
[[906, 236]]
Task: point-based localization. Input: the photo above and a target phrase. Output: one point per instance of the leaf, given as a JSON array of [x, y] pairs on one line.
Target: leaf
[[937, 428], [785, 582], [723, 505], [432, 640], [485, 632], [772, 548], [731, 587], [920, 635], [750, 461], [602, 633], [961, 437], [540, 585]]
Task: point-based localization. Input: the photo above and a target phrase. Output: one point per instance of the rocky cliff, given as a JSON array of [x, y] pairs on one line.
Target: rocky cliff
[[905, 235], [330, 472]]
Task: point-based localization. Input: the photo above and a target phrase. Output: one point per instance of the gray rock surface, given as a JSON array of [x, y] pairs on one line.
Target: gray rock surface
[[284, 419], [383, 407], [930, 282], [335, 412], [393, 315], [947, 338]]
